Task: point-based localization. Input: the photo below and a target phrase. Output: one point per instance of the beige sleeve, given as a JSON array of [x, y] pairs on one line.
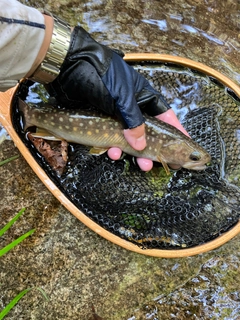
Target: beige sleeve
[[22, 31]]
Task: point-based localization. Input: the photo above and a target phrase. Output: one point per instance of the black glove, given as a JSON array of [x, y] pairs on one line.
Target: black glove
[[93, 73]]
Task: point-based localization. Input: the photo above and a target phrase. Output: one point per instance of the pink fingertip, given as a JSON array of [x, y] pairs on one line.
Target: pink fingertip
[[114, 153], [145, 164], [170, 117]]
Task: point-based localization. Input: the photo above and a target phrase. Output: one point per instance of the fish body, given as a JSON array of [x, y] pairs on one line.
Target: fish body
[[165, 143]]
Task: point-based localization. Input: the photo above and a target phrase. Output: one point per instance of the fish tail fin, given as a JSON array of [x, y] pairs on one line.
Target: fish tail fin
[[24, 108]]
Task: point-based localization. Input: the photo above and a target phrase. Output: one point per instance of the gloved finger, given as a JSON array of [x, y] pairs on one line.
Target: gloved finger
[[136, 137], [114, 153], [151, 101], [170, 117], [122, 82]]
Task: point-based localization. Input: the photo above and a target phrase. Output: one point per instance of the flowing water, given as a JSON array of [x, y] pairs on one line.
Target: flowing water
[[207, 31]]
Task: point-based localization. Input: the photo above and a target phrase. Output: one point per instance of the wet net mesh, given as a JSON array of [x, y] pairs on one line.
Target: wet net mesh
[[151, 209]]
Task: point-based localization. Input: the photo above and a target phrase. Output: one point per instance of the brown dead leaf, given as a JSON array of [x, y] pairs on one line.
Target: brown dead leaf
[[54, 152]]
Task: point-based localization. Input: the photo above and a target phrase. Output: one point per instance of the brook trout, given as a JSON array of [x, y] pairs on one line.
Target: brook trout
[[165, 143]]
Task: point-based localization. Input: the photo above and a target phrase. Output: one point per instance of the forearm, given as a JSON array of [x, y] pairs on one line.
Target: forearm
[[25, 37]]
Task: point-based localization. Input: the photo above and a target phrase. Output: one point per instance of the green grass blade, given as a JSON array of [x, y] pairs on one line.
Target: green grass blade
[[43, 293], [15, 242], [8, 160], [13, 303], [10, 223], [17, 298]]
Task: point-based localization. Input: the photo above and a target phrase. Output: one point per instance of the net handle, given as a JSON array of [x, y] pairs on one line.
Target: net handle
[[131, 57]]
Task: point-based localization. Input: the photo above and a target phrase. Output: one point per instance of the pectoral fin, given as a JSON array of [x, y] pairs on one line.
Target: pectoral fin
[[165, 166], [97, 151], [44, 134]]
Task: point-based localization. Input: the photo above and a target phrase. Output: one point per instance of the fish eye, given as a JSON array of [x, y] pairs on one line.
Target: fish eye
[[195, 156]]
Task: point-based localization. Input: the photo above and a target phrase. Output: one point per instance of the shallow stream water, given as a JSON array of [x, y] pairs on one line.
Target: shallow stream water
[[72, 264]]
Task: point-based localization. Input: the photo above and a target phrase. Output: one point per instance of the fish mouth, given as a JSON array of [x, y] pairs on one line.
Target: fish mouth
[[189, 166], [195, 166]]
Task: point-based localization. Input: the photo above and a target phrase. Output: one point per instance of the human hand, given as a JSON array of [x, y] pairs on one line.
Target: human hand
[[93, 73], [96, 75], [136, 138]]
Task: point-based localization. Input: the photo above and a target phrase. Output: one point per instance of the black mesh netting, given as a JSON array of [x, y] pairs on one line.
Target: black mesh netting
[[151, 209]]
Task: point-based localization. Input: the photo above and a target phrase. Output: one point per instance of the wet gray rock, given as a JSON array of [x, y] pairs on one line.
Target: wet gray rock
[[73, 265], [76, 268]]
